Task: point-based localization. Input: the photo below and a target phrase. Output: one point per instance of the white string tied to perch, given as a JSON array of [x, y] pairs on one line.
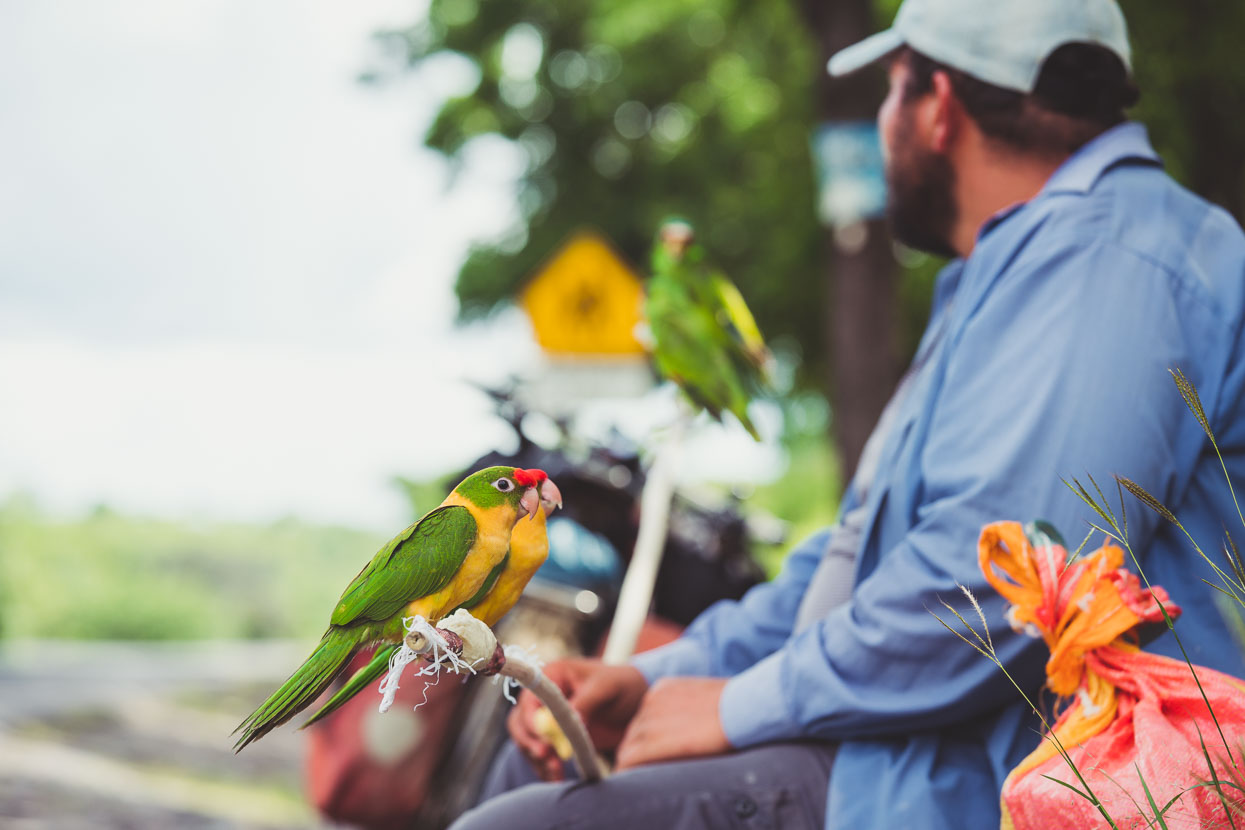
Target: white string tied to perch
[[468, 643], [441, 654], [513, 651]]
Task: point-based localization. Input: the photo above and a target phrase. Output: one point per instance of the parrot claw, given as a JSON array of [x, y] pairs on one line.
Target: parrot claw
[[452, 641], [495, 664]]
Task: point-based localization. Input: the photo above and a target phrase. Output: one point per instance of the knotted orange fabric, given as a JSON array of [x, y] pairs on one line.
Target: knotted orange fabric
[[1132, 715]]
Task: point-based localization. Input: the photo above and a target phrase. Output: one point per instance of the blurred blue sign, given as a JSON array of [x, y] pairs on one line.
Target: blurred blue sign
[[579, 557], [850, 178]]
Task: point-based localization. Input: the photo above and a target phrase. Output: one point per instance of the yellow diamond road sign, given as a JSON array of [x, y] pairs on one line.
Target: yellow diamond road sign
[[585, 300]]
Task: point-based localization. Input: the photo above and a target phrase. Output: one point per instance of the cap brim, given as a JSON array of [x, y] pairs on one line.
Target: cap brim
[[859, 55]]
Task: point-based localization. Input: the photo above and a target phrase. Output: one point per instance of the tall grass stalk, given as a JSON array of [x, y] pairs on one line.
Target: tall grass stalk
[[985, 646], [1119, 532]]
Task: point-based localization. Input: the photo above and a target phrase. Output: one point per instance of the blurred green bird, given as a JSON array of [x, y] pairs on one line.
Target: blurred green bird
[[704, 338]]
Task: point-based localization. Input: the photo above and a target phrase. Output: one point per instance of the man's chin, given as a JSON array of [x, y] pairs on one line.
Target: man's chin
[[921, 207], [921, 238]]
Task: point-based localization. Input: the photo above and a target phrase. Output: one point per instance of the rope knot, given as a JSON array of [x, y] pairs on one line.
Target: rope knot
[[1075, 607]]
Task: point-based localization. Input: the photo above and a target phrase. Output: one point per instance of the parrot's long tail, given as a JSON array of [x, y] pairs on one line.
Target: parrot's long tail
[[304, 686], [356, 684]]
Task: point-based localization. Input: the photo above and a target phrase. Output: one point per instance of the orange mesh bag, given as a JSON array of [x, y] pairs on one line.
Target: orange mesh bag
[[1132, 716]]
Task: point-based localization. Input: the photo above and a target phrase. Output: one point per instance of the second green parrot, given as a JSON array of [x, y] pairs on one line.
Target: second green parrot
[[705, 339]]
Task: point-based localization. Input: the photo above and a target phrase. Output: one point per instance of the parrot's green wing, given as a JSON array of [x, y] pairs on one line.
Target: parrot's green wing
[[417, 562], [691, 349], [690, 353], [738, 317]]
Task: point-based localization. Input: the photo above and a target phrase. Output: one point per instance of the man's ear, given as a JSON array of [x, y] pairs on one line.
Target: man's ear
[[946, 113]]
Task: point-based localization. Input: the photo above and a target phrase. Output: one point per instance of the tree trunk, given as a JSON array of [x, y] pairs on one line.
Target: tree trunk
[[861, 319], [1218, 168]]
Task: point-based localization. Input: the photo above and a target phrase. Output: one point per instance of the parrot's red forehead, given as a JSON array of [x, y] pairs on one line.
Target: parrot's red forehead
[[529, 478]]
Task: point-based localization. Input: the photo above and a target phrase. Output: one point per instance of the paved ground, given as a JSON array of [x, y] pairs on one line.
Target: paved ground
[[119, 735]]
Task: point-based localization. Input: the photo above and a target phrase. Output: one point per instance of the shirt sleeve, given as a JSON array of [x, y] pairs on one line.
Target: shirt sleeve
[[731, 635], [1061, 372]]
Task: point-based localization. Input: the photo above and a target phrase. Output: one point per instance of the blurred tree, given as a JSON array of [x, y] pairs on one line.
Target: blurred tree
[[1186, 57], [862, 334], [630, 110]]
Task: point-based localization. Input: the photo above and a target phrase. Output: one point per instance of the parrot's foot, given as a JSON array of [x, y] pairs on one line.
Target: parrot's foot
[[476, 644], [495, 663], [443, 648], [418, 643]]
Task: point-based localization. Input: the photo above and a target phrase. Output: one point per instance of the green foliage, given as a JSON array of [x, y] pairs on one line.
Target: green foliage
[[111, 577], [807, 494], [633, 111], [1187, 64]]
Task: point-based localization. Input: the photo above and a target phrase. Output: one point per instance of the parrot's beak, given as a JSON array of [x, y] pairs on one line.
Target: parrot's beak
[[530, 501], [550, 496]]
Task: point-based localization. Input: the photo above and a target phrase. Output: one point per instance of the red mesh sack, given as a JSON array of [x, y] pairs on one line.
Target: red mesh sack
[[1133, 717]]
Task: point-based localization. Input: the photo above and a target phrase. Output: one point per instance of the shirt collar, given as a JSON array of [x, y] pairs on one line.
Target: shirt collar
[[1078, 174], [1126, 142]]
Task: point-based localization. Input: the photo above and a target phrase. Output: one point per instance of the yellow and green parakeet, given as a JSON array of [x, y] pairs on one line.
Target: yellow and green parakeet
[[705, 339], [529, 545], [430, 569]]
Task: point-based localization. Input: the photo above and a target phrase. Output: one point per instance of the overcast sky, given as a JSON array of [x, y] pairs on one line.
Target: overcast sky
[[226, 267]]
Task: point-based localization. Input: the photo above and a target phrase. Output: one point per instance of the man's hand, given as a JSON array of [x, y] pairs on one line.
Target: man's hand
[[678, 718], [606, 697]]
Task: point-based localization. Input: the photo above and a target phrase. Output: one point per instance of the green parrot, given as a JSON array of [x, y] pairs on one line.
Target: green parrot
[[429, 569], [705, 339], [529, 545]]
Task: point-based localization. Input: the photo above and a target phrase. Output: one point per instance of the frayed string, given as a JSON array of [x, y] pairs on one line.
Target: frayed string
[[509, 684], [389, 686], [404, 656]]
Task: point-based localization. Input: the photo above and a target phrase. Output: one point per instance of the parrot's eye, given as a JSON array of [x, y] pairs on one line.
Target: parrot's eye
[[505, 485]]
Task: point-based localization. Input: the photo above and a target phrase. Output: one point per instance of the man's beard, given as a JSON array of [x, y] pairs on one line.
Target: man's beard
[[921, 203]]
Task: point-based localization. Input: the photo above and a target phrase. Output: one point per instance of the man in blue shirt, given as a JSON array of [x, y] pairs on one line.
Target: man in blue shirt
[[1081, 274]]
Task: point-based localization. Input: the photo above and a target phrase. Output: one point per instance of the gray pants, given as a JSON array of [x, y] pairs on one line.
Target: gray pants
[[781, 786]]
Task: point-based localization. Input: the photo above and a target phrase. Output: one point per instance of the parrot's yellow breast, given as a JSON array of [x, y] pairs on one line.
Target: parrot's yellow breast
[[529, 545], [493, 526]]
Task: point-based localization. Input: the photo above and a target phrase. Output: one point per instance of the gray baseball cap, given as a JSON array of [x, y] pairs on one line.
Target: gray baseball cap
[[1001, 42]]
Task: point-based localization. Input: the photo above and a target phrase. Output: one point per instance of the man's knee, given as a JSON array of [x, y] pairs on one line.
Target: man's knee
[[510, 770], [532, 806]]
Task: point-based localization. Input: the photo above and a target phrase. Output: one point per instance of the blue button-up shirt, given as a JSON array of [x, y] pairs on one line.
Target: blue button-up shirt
[[1051, 362]]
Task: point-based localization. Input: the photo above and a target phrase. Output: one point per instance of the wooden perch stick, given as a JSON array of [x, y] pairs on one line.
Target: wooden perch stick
[[534, 680], [641, 577], [474, 642]]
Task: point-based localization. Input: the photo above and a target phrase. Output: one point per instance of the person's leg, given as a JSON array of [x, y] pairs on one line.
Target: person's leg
[[510, 770], [772, 786]]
